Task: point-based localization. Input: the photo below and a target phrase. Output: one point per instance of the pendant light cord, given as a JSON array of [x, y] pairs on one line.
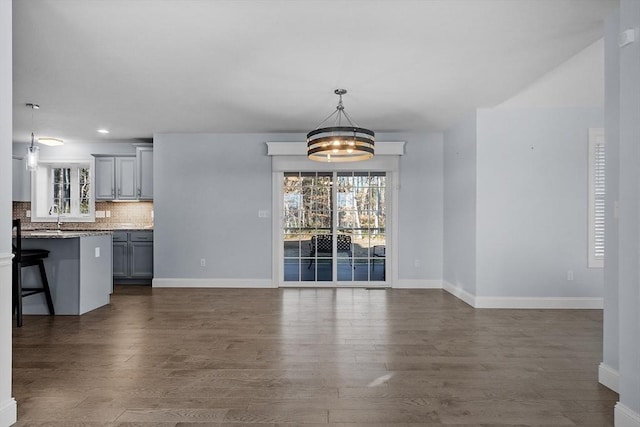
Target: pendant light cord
[[339, 111], [32, 136], [33, 107]]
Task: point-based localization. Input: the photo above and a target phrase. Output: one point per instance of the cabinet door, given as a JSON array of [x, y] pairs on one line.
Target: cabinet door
[[141, 260], [120, 260], [104, 178], [126, 178], [144, 157], [21, 181]]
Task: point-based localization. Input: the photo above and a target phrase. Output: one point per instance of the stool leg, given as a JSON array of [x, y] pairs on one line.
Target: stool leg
[[18, 294], [45, 286], [14, 299]]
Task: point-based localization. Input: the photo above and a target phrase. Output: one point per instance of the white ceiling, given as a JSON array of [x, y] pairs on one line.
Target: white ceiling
[[142, 66]]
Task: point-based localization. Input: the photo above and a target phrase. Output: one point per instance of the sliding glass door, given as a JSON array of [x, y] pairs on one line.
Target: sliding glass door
[[334, 227]]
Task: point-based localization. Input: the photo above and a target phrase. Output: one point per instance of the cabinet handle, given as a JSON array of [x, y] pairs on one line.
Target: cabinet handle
[[113, 193], [119, 192], [139, 192]]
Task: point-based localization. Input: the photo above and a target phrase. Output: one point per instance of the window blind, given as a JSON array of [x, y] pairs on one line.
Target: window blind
[[597, 189]]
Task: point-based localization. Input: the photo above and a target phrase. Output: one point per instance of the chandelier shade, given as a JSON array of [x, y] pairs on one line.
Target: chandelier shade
[[340, 143]]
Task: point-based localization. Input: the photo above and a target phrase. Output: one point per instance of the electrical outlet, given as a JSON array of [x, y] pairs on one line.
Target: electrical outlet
[[569, 274], [97, 250], [107, 214], [416, 263], [28, 214], [203, 262]]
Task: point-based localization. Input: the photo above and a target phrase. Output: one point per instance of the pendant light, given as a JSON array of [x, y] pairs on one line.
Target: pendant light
[[340, 143], [32, 150]]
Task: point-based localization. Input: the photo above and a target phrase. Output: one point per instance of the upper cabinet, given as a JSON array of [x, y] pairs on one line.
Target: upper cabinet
[[115, 177], [21, 181], [127, 177], [105, 183], [144, 159]]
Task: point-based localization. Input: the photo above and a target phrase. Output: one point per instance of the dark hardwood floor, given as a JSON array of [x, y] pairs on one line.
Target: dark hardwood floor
[[349, 357]]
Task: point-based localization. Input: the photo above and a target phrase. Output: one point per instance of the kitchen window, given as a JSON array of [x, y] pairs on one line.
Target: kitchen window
[[62, 191]]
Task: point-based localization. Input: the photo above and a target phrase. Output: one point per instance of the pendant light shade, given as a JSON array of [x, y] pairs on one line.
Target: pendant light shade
[[32, 150], [32, 156], [348, 143]]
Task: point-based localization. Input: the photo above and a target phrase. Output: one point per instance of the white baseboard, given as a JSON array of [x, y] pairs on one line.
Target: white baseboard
[[522, 302], [608, 377], [459, 293], [625, 417], [8, 412], [539, 302], [417, 284], [211, 283]]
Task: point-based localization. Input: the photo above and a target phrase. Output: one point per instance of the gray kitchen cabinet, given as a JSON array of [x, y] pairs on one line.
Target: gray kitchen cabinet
[[115, 177], [132, 257], [124, 177], [144, 164], [120, 255], [21, 180], [104, 182], [141, 260]]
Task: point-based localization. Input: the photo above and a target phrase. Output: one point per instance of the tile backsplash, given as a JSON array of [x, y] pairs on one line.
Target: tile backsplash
[[109, 216]]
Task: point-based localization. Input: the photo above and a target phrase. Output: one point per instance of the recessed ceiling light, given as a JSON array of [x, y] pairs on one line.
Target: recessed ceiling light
[[50, 141], [103, 131]]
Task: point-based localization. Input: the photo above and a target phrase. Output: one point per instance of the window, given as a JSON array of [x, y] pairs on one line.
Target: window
[[63, 190], [596, 197]]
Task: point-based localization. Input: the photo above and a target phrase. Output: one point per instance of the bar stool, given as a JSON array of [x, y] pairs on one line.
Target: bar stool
[[27, 258]]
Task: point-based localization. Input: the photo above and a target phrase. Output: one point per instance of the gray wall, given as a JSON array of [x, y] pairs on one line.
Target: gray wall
[[460, 205], [208, 189], [532, 199], [420, 198], [629, 213]]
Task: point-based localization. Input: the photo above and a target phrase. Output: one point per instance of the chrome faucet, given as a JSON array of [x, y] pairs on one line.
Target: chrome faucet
[[54, 209]]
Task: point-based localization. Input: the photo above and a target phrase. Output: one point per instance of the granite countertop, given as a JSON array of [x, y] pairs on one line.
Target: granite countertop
[[63, 234], [125, 228]]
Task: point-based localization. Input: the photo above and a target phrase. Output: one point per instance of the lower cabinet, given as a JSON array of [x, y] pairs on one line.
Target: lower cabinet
[[132, 257]]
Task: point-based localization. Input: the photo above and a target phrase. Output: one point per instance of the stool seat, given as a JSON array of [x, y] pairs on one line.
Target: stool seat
[[33, 254], [28, 258]]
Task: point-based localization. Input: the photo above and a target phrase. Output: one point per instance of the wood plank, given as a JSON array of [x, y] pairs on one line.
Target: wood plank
[[311, 357]]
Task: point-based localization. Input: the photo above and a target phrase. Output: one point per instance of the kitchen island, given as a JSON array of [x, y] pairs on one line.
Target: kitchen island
[[79, 270]]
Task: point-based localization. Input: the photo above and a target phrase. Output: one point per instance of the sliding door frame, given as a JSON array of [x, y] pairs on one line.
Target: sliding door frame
[[291, 157]]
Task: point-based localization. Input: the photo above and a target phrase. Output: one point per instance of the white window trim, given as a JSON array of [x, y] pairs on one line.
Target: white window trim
[[596, 210], [292, 156], [41, 192]]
